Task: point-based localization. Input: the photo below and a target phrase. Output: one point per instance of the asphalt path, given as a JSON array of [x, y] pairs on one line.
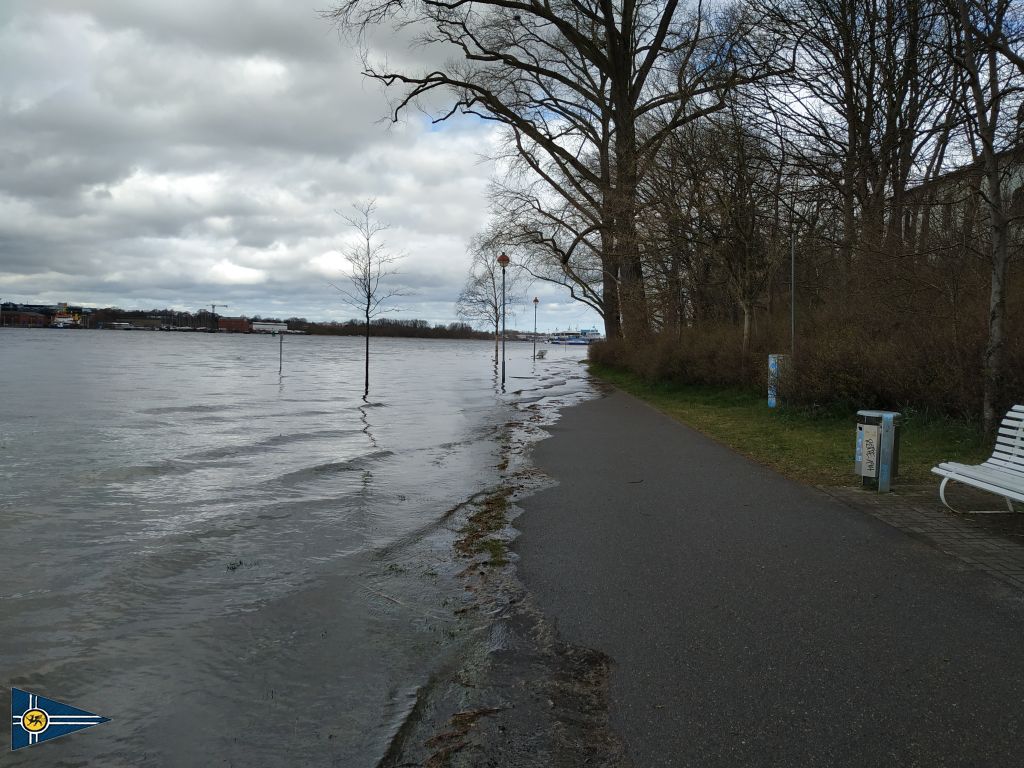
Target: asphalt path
[[753, 621]]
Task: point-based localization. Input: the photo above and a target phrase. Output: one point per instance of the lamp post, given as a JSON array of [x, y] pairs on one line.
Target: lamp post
[[536, 301], [503, 261]]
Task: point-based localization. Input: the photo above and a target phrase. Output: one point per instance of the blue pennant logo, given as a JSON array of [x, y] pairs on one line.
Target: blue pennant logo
[[36, 718]]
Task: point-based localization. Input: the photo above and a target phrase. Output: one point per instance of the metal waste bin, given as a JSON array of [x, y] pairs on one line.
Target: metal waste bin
[[877, 453]]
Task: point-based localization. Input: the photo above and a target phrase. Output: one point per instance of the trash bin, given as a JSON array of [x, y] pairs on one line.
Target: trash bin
[[877, 453]]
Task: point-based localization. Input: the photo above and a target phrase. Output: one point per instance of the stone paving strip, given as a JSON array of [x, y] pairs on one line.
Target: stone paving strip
[[990, 543]]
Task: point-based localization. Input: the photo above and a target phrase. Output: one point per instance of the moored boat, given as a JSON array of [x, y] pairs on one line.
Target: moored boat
[[576, 338]]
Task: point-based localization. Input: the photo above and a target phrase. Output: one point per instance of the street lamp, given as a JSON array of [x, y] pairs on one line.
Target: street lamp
[[503, 261], [536, 301]]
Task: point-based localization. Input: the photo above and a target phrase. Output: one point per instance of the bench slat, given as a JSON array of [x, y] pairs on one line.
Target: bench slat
[[1009, 452], [986, 471], [1012, 472], [988, 484], [1006, 466], [1010, 446]]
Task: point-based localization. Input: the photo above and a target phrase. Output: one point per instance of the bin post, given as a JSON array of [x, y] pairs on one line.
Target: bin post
[[886, 450]]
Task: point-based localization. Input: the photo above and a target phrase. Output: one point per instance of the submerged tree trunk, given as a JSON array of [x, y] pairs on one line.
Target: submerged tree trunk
[[366, 378]]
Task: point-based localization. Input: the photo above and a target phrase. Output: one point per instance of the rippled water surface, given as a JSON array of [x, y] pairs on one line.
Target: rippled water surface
[[237, 567]]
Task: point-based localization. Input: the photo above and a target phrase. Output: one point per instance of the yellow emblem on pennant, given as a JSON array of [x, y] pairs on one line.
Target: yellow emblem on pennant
[[35, 720]]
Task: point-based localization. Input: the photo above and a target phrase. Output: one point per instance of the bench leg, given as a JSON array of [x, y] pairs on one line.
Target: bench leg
[[951, 508], [942, 495]]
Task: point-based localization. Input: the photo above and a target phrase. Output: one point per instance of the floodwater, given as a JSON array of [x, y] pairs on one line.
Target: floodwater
[[240, 567]]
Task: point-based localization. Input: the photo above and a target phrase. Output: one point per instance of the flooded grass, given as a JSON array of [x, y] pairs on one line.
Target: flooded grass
[[477, 535]]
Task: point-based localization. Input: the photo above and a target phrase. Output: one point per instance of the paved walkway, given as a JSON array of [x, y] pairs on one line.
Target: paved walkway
[[753, 621], [989, 544]]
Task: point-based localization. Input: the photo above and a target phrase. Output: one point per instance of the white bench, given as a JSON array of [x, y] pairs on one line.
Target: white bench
[[1003, 473]]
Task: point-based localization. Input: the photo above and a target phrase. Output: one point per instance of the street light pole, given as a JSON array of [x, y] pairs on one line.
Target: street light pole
[[792, 276], [536, 301], [503, 261]]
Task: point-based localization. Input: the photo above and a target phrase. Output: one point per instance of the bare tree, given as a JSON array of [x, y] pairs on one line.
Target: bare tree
[[986, 41], [558, 240], [370, 262], [863, 105], [479, 303]]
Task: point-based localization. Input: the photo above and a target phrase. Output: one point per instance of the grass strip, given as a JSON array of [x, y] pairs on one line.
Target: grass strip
[[808, 445]]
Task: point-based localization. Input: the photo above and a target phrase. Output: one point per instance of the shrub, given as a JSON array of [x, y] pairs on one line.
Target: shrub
[[920, 364]]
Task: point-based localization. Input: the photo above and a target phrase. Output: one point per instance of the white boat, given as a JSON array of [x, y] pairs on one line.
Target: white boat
[[576, 338]]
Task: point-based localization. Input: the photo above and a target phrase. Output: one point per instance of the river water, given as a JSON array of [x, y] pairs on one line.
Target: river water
[[240, 567]]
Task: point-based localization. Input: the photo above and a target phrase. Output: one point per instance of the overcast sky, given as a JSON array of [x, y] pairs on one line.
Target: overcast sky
[[174, 153]]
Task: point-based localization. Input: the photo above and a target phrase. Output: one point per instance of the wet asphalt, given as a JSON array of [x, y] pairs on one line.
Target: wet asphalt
[[753, 621]]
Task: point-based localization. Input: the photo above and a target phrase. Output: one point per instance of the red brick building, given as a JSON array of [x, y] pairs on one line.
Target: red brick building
[[21, 319], [234, 324]]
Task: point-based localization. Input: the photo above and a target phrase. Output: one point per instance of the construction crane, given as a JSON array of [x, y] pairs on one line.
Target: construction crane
[[213, 315]]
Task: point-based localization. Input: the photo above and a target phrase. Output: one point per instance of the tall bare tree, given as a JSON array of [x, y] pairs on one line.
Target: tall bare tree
[[986, 41], [557, 73], [369, 263]]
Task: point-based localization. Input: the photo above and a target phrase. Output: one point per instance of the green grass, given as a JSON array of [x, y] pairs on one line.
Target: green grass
[[812, 447]]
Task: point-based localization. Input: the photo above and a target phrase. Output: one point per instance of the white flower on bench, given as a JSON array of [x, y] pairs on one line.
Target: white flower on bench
[[1003, 473]]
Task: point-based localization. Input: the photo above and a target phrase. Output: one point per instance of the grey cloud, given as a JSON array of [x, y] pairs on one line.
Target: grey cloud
[[166, 152]]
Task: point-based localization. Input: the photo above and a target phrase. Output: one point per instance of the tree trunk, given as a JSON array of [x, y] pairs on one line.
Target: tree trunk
[[745, 348], [993, 368], [626, 242], [366, 378], [610, 303], [636, 323]]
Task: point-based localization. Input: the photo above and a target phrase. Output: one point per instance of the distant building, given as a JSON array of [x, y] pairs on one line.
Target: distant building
[[263, 326], [145, 323], [234, 324], [948, 213], [22, 319]]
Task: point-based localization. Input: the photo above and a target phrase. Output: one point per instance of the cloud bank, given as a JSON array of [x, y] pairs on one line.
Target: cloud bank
[[177, 153]]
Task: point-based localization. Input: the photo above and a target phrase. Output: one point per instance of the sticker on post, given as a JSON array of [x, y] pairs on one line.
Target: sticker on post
[[868, 444]]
